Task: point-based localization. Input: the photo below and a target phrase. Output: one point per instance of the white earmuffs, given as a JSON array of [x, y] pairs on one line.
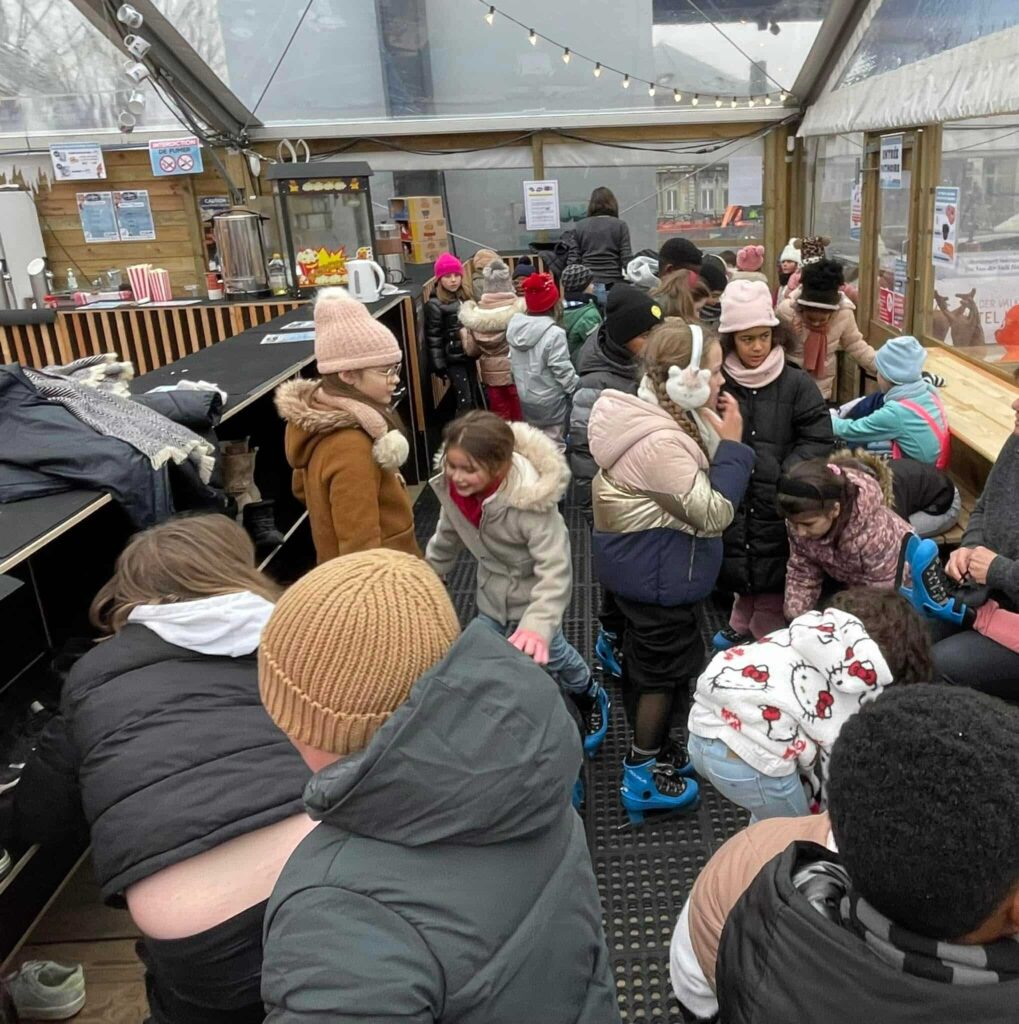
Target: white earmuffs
[[690, 388]]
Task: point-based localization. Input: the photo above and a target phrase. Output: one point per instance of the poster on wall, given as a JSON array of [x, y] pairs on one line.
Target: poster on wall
[[541, 205], [98, 217], [891, 161], [746, 180], [78, 162], [856, 210], [977, 292], [946, 222], [134, 216], [175, 156]]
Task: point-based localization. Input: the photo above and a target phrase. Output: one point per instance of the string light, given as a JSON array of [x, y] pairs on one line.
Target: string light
[[626, 81], [695, 100], [597, 70], [783, 96], [490, 17], [532, 37], [733, 104], [651, 89], [677, 95], [566, 55], [750, 102], [718, 101], [767, 101]]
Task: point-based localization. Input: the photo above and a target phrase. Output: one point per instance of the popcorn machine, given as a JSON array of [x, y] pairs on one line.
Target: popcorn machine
[[325, 211]]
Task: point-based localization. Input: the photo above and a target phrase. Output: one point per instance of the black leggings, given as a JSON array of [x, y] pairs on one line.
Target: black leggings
[[964, 657], [214, 977], [464, 381]]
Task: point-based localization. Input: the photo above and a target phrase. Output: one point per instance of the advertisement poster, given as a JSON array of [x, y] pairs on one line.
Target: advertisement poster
[[134, 216], [98, 217], [946, 222], [175, 156], [986, 283], [78, 162], [856, 210], [746, 180], [891, 161], [541, 205]]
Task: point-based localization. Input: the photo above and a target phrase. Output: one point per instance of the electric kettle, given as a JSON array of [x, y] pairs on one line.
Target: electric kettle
[[365, 280]]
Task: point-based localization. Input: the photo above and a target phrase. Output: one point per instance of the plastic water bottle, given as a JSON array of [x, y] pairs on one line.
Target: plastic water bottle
[[72, 281], [277, 275]]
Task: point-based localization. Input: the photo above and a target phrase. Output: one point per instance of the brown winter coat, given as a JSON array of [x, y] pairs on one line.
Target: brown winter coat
[[355, 496], [843, 333], [484, 335]]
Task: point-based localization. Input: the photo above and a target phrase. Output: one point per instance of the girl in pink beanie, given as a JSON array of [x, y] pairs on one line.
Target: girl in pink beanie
[[749, 261], [785, 421], [343, 438], [442, 331]]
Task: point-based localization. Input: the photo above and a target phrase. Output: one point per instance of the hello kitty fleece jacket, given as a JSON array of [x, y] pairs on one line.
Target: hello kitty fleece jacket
[[779, 703]]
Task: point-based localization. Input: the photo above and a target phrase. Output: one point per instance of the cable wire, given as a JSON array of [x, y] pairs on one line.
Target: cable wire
[[286, 50]]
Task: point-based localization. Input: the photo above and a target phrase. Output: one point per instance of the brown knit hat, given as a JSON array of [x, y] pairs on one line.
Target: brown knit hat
[[345, 644]]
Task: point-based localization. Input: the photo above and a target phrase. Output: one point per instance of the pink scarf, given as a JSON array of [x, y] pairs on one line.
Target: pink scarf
[[768, 372]]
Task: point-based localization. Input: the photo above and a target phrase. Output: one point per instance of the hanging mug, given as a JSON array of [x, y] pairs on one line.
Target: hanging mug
[[137, 45]]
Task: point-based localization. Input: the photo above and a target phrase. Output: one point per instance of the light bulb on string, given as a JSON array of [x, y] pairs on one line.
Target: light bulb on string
[[490, 17], [718, 101], [597, 71], [733, 104], [651, 89], [696, 99], [767, 101], [626, 81], [677, 95], [783, 95], [750, 102], [532, 37], [566, 55]]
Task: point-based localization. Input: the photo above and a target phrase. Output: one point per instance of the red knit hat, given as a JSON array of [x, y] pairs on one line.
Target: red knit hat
[[540, 293]]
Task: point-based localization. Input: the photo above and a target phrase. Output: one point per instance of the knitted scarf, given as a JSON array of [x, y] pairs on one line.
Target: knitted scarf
[[828, 888], [159, 439], [767, 373], [370, 420], [815, 352]]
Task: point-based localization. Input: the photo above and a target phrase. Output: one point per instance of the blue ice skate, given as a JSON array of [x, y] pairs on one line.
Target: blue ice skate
[[596, 722], [607, 654], [931, 590], [652, 786]]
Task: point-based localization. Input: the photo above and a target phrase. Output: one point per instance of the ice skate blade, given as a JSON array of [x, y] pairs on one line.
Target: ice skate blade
[[638, 818]]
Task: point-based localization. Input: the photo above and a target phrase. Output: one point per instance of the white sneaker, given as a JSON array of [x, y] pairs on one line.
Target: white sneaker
[[44, 990]]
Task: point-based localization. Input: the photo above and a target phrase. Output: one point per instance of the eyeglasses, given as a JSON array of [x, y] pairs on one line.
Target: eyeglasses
[[389, 372]]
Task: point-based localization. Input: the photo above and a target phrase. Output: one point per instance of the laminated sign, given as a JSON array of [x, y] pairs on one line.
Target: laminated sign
[[891, 161], [175, 156]]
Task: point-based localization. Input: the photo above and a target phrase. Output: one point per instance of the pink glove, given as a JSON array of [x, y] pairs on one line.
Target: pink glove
[[531, 644]]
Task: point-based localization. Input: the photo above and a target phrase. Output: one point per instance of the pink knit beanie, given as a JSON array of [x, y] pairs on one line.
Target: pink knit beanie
[[746, 304], [348, 337], [750, 257], [447, 263]]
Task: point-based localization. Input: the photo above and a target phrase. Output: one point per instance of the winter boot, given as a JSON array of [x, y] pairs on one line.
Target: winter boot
[[596, 721], [608, 654], [674, 754], [239, 472], [727, 637], [931, 592], [654, 786], [260, 523]]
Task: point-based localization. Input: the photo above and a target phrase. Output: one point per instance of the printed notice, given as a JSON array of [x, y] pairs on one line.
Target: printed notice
[[134, 216], [175, 156], [78, 162], [891, 161], [541, 205], [946, 224], [98, 217], [856, 210], [282, 339], [746, 177]]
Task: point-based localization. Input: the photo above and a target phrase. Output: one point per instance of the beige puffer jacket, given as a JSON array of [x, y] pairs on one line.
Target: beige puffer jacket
[[484, 334]]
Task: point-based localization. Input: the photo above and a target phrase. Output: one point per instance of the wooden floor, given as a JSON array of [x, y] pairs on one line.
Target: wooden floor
[[79, 929]]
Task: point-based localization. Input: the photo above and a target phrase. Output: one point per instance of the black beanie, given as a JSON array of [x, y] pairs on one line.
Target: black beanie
[[679, 253], [713, 273], [629, 313], [524, 268], [820, 283]]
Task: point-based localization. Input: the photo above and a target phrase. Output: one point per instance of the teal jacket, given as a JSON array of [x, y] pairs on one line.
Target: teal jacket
[[579, 320], [897, 422]]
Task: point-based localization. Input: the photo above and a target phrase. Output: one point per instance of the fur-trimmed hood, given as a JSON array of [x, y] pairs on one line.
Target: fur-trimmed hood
[[293, 402], [538, 477], [869, 463], [490, 319]]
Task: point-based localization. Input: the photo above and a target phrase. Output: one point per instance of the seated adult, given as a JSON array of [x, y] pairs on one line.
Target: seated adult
[[449, 878], [192, 795], [914, 918], [985, 654]]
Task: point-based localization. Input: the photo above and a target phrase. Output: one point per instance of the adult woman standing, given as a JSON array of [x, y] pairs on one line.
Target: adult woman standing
[[601, 241], [192, 795]]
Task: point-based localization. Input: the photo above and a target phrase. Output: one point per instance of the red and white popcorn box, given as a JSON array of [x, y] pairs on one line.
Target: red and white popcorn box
[[138, 275], [159, 285]]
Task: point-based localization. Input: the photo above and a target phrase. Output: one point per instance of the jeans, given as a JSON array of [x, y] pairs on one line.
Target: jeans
[[930, 524], [762, 795], [564, 660]]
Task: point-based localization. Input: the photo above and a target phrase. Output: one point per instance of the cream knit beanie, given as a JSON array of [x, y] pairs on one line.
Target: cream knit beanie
[[348, 337], [346, 643]]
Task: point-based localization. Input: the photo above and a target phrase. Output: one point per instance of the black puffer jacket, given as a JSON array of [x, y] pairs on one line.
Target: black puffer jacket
[[176, 754], [780, 960], [442, 332], [784, 422], [601, 364]]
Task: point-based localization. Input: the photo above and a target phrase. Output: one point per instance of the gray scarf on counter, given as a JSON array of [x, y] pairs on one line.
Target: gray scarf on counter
[[91, 390]]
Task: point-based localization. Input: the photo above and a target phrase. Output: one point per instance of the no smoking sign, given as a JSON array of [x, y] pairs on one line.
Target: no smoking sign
[[175, 156]]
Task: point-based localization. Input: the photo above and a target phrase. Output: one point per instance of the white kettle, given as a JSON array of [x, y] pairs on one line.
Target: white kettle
[[365, 280]]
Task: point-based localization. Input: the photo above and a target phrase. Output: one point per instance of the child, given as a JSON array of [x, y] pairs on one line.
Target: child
[[822, 320], [682, 295], [768, 713], [841, 526], [714, 273], [481, 259], [672, 472], [540, 359], [788, 264], [498, 486], [785, 421], [911, 419], [521, 272], [484, 335], [749, 261], [442, 331], [343, 438], [581, 314]]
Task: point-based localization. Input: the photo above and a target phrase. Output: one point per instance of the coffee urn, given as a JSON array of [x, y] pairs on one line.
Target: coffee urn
[[238, 234]]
